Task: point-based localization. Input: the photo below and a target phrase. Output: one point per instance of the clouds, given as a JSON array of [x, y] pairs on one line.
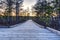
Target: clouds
[[29, 3]]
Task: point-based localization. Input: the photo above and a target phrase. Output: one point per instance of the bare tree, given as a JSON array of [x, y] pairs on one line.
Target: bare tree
[[18, 6]]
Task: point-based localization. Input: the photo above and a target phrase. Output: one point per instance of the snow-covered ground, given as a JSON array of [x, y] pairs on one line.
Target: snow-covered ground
[[27, 31]]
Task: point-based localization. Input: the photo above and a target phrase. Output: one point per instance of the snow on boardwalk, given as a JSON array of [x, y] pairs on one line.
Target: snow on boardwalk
[[27, 31]]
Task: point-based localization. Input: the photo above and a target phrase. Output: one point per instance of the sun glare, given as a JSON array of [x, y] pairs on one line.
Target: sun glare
[[28, 4]]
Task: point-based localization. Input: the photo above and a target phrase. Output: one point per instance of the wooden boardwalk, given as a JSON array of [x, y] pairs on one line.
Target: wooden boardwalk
[[27, 31]]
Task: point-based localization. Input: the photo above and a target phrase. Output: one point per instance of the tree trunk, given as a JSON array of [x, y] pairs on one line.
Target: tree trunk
[[17, 11]]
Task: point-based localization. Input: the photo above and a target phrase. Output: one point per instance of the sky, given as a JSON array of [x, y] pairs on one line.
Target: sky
[[28, 3]]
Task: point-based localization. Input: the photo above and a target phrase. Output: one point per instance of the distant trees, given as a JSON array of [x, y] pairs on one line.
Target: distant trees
[[42, 7], [17, 3], [10, 3], [57, 9], [8, 11], [8, 6], [45, 12]]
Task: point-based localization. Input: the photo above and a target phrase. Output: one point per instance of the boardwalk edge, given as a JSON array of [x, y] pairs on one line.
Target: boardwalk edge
[[38, 24], [54, 31]]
